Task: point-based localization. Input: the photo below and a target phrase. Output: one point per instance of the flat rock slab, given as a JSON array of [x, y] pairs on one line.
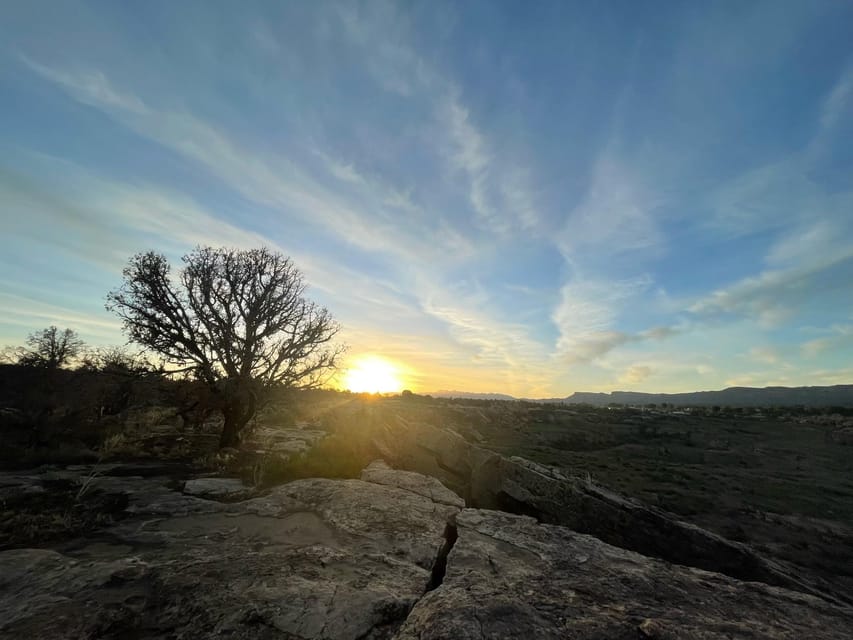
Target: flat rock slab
[[286, 440], [380, 473], [225, 489], [510, 577], [316, 558]]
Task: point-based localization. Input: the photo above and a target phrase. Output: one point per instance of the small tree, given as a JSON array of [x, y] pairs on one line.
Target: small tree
[[237, 320], [51, 348]]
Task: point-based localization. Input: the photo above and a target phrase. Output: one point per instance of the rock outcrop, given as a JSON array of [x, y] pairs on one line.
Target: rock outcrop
[[392, 555], [510, 577], [223, 489], [317, 558], [515, 485]]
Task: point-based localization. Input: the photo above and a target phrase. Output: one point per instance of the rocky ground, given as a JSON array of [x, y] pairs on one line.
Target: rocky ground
[[442, 539], [778, 480], [314, 558], [394, 554]]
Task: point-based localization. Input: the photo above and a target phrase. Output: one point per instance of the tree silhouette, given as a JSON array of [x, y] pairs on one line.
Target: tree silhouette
[[51, 348], [237, 320]]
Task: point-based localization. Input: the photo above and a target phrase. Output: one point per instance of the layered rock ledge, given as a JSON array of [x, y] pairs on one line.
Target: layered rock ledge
[[515, 485], [391, 555], [510, 577]]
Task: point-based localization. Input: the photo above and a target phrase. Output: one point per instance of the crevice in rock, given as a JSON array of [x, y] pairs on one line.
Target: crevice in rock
[[439, 568]]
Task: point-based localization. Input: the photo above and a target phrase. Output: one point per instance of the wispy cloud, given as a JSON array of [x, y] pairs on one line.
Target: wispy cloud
[[765, 354], [770, 196], [615, 217], [468, 154], [635, 374], [773, 295], [838, 103], [109, 221], [30, 314], [382, 33], [268, 180], [587, 313], [838, 336], [89, 87]]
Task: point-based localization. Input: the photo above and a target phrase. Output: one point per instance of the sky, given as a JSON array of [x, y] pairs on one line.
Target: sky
[[514, 197]]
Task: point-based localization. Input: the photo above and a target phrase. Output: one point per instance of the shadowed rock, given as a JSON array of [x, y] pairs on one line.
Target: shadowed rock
[[389, 556], [510, 577], [491, 481], [223, 489], [316, 558]]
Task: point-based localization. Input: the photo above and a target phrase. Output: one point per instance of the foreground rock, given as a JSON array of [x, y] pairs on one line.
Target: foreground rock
[[509, 577], [389, 556], [491, 481], [379, 472], [318, 558], [224, 489]]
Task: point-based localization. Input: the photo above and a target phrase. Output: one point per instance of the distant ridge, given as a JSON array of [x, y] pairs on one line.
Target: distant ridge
[[840, 395], [837, 395], [471, 396]]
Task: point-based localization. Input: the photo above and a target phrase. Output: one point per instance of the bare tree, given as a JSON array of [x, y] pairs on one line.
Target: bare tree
[[236, 320], [51, 348], [118, 360]]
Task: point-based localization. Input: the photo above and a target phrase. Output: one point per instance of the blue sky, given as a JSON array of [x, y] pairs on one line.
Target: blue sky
[[530, 198]]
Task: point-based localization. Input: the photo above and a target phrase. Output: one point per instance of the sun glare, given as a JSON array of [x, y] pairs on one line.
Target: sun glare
[[372, 374]]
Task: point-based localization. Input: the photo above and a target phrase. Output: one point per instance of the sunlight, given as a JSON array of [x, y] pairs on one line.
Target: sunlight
[[372, 374]]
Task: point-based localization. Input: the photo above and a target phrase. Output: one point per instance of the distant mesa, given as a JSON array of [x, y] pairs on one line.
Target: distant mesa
[[840, 395]]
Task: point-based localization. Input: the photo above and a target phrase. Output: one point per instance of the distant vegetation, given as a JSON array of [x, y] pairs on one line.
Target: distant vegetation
[[49, 348]]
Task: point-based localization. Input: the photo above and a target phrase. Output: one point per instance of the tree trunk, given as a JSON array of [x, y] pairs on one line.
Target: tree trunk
[[231, 430], [238, 410]]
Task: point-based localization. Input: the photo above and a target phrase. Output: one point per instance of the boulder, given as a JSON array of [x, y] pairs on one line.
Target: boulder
[[511, 577]]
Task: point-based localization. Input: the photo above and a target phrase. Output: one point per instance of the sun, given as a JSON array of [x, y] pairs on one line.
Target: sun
[[372, 374]]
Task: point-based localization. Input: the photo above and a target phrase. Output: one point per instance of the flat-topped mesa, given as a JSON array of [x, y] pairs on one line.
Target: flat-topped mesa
[[515, 485]]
